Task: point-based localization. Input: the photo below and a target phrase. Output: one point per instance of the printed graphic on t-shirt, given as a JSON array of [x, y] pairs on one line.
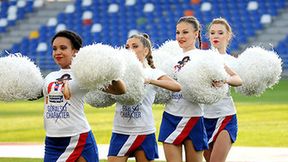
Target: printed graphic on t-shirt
[[131, 111], [57, 98], [177, 96], [57, 112], [181, 63]]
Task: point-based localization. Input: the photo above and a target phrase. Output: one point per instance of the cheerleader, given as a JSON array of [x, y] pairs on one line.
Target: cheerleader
[[133, 133], [68, 134], [182, 121], [220, 118]]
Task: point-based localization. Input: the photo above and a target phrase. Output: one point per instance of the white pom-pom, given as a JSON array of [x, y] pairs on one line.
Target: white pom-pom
[[162, 96], [171, 47], [96, 66], [165, 62], [165, 57], [259, 69], [197, 75], [99, 99], [133, 78], [20, 78]]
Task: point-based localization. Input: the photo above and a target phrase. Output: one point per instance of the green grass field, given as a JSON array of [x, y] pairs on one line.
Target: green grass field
[[27, 160], [263, 121]]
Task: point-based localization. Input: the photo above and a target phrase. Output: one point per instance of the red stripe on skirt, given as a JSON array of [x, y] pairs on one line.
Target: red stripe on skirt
[[185, 132], [223, 125], [79, 147], [139, 140]]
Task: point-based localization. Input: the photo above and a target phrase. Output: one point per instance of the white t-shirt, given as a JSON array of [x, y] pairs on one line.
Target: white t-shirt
[[225, 106], [63, 117], [138, 119], [178, 106]]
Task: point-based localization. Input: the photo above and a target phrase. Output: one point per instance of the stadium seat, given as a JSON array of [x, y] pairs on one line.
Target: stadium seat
[[70, 8], [38, 3], [87, 17], [113, 8], [206, 6], [52, 21], [3, 24], [266, 19], [112, 21], [149, 7], [252, 6], [130, 2], [132, 32], [42, 47], [60, 27], [96, 28], [34, 35]]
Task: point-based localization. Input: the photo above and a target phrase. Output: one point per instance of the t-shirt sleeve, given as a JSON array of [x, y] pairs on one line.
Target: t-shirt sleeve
[[157, 73], [44, 89]]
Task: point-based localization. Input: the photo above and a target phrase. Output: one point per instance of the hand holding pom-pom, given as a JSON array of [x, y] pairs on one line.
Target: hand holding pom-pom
[[133, 78], [198, 76], [165, 62]]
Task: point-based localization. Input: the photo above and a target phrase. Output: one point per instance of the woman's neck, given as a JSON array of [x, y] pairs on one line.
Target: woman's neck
[[222, 51], [189, 49]]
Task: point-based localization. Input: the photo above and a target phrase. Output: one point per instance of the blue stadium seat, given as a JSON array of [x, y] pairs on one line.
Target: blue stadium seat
[[15, 48], [159, 24]]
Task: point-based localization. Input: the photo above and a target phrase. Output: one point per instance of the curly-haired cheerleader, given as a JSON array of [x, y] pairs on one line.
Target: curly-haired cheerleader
[[68, 134]]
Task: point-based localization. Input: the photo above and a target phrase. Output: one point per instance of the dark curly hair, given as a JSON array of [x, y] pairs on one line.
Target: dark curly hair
[[74, 38]]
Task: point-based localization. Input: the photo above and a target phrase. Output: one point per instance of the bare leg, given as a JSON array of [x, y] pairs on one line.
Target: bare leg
[[140, 156], [173, 153], [117, 158], [81, 159], [191, 154], [207, 153], [221, 147]]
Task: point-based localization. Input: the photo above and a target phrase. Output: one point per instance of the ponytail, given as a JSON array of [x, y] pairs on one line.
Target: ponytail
[[145, 40]]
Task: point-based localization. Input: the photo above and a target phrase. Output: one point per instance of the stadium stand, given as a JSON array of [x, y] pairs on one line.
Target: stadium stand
[[11, 11], [112, 21]]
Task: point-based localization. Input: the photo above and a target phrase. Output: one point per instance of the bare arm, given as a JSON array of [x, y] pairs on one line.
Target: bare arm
[[165, 82], [66, 90], [117, 87], [233, 79]]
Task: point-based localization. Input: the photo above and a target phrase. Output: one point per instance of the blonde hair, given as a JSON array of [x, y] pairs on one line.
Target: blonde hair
[[221, 21]]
